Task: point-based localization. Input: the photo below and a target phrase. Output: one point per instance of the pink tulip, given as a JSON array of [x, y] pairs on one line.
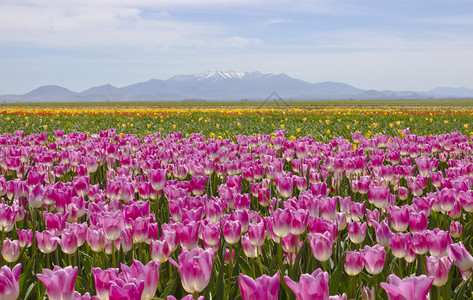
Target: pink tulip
[[368, 294], [357, 232], [399, 217], [125, 241], [140, 230], [10, 250], [256, 234], [438, 268], [281, 222], [374, 258], [159, 251], [9, 288], [460, 256], [198, 184], [121, 290], [59, 282], [357, 210], [438, 242], [399, 244], [418, 222], [227, 255], [47, 241], [419, 243], [157, 178], [354, 263], [321, 245], [55, 221], [195, 267], [299, 221], [103, 280], [284, 185], [25, 237], [81, 185], [36, 196], [231, 230], [262, 288], [68, 242], [455, 229], [189, 234], [403, 193], [171, 237], [113, 225], [310, 286], [96, 239], [412, 288], [149, 274], [380, 196], [7, 217], [249, 250]]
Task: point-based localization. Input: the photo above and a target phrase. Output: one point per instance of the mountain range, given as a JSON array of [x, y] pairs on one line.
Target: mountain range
[[221, 86]]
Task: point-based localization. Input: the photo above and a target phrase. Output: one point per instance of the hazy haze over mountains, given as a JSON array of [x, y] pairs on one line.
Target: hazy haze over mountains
[[220, 86]]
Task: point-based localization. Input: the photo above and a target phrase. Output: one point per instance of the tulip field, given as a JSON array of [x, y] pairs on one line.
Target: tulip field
[[236, 202]]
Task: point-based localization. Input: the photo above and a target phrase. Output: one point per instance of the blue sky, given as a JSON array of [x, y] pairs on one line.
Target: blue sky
[[370, 44]]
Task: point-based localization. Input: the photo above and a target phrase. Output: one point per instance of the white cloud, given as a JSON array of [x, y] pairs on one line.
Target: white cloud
[[89, 25]]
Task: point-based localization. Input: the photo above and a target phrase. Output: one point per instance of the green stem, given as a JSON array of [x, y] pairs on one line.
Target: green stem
[[33, 215], [281, 266], [260, 266], [113, 255], [229, 268], [56, 253]]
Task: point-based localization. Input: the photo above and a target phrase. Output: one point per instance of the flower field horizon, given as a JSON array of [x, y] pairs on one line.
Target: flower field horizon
[[228, 202]]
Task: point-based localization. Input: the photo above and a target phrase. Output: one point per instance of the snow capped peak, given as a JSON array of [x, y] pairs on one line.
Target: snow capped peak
[[214, 74]]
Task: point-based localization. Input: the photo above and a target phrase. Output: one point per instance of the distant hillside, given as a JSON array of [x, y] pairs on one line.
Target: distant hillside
[[220, 86]]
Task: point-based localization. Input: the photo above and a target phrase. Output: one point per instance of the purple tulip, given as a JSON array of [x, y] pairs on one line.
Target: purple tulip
[[231, 230], [281, 222], [262, 288], [10, 250], [195, 267], [159, 251], [460, 256], [321, 245], [249, 250], [9, 288], [149, 274], [103, 280], [374, 258], [121, 290], [47, 241], [59, 282], [354, 263], [310, 286], [157, 178], [189, 234], [412, 288], [357, 232], [113, 225], [438, 268]]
